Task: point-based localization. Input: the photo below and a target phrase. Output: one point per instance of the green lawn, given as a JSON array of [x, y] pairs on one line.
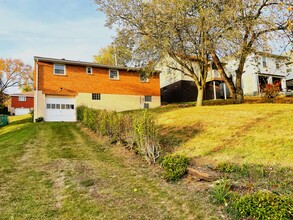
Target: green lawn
[[57, 171], [62, 171], [242, 134]]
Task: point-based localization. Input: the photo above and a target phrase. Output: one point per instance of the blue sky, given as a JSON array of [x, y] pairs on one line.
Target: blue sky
[[70, 29]]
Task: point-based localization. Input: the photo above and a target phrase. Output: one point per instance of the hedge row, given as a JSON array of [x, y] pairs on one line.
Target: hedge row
[[137, 131]]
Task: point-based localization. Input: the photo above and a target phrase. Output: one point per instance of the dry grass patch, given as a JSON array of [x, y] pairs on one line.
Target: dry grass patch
[[259, 133]]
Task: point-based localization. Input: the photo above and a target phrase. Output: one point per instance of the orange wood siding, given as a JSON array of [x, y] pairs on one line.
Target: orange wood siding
[[29, 103], [77, 81]]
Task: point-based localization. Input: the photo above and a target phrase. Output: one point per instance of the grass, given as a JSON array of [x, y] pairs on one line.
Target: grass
[[253, 134], [61, 171]]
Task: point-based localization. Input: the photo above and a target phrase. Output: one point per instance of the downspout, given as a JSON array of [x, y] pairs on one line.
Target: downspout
[[37, 88]]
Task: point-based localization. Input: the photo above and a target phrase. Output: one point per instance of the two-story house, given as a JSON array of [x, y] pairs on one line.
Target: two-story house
[[62, 85], [177, 87], [260, 69], [21, 103]]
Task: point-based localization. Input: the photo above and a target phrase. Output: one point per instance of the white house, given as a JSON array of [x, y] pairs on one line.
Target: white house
[[260, 69]]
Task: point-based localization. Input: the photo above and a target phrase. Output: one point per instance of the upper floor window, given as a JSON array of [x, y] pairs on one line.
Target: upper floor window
[[264, 61], [21, 98], [114, 74], [278, 65], [143, 78], [89, 70], [59, 69]]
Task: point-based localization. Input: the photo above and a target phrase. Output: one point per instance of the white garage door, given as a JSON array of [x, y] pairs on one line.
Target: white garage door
[[60, 108], [22, 111]]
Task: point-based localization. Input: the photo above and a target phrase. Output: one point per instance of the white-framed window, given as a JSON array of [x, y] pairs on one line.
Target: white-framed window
[[96, 96], [21, 98], [143, 78], [277, 65], [148, 98], [264, 62], [114, 74], [59, 69], [89, 70]]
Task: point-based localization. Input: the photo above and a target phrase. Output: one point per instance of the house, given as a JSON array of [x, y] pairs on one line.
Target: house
[[21, 103], [61, 85], [289, 71], [260, 68], [177, 87]]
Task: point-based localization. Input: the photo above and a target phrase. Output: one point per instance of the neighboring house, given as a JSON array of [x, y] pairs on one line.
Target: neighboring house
[[21, 103], [62, 85], [260, 69], [177, 87], [289, 73]]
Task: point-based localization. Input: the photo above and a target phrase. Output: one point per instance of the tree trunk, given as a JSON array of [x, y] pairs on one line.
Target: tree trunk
[[221, 71], [200, 91], [239, 90]]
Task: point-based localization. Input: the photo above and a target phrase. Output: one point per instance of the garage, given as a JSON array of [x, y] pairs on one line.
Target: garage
[[60, 108], [21, 111]]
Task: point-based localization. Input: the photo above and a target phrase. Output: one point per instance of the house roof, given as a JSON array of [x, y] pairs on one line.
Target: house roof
[[27, 94], [87, 64]]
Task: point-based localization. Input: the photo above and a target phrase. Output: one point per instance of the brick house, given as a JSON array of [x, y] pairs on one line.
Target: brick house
[[61, 85], [21, 103]]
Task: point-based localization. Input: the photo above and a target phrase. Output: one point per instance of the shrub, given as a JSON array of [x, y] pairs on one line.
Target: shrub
[[271, 91], [146, 136], [264, 205], [175, 167], [221, 191], [138, 130]]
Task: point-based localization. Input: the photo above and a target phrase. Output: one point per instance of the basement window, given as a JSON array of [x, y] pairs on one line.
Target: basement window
[[59, 69], [148, 98], [96, 96]]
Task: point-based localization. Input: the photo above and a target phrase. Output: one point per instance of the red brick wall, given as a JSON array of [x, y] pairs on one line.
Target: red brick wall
[[76, 80], [29, 103]]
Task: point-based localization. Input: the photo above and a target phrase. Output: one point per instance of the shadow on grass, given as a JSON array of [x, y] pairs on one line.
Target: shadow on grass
[[171, 137], [23, 121]]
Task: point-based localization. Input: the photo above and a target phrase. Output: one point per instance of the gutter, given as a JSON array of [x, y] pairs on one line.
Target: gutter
[[37, 88]]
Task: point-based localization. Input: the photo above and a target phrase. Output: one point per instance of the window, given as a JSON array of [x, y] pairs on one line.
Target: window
[[278, 65], [57, 106], [147, 98], [59, 69], [264, 61], [89, 70], [114, 74], [146, 105], [21, 98], [143, 78], [48, 106], [96, 96]]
